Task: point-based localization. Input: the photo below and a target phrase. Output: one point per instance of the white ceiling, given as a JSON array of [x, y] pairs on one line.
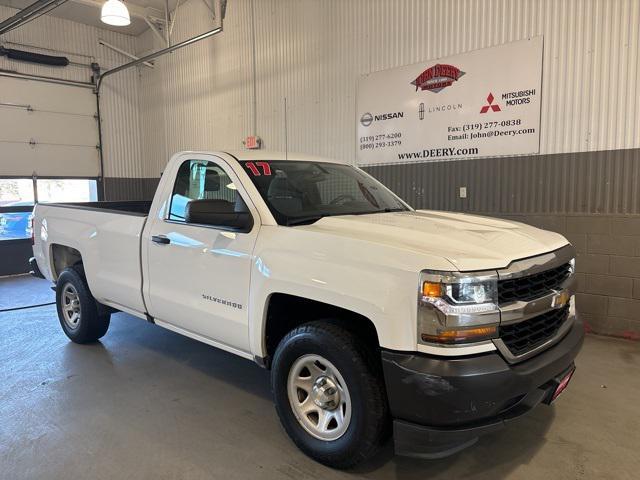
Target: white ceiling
[[90, 15]]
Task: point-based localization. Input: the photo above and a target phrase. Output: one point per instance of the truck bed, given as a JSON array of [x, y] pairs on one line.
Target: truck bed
[[108, 235]]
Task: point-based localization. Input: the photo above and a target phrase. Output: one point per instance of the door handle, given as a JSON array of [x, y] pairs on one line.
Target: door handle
[[160, 239]]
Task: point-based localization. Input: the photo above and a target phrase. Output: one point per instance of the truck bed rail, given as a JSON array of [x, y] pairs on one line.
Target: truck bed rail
[[130, 207]]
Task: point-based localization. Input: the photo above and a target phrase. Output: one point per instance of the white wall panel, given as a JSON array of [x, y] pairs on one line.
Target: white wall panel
[[119, 104], [312, 52], [197, 97]]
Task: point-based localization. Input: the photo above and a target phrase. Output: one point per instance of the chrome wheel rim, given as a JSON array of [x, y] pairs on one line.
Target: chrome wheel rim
[[70, 300], [319, 397]]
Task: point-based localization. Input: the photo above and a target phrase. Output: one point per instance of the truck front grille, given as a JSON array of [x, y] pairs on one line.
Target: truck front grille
[[524, 336], [532, 286]]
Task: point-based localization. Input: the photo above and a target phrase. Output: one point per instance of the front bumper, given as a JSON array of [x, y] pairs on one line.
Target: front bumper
[[441, 405]]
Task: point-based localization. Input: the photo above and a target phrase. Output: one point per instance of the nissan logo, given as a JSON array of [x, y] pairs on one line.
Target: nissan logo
[[366, 119]]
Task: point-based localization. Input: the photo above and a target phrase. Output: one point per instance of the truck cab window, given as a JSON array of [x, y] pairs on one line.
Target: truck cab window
[[202, 180]]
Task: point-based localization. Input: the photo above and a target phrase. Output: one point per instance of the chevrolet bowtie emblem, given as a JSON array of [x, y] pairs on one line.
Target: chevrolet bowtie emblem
[[560, 299]]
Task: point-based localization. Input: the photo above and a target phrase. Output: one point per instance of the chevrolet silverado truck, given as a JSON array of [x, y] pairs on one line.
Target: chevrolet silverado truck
[[373, 318]]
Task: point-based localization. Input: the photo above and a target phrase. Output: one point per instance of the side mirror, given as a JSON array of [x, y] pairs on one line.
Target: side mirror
[[243, 222], [218, 213]]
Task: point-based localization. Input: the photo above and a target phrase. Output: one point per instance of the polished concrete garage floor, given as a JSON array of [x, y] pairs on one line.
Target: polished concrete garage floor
[[148, 403]]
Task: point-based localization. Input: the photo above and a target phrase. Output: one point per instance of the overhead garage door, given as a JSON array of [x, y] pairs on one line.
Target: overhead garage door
[[48, 152], [47, 128]]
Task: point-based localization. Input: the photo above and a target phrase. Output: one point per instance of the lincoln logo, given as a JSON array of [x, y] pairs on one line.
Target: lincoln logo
[[437, 77], [493, 106], [421, 111]]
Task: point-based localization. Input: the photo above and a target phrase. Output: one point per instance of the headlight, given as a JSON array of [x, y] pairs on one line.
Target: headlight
[[457, 307]]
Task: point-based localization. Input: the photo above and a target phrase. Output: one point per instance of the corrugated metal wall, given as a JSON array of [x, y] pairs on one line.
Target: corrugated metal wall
[[313, 52], [198, 98], [119, 107]]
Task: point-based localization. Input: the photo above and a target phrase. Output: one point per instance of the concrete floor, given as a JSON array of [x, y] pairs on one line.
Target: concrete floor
[[24, 290], [148, 403]]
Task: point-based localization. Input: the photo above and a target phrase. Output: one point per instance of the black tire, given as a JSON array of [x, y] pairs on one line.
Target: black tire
[[369, 425], [91, 324]]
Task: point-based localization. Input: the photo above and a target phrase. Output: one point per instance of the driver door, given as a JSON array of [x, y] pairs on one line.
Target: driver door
[[198, 261]]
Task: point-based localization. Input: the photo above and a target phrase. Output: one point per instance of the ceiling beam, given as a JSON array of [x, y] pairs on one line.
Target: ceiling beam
[[28, 13], [153, 55], [123, 52]]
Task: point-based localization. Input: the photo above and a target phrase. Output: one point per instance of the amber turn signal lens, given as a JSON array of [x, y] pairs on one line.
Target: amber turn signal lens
[[432, 289], [462, 336]]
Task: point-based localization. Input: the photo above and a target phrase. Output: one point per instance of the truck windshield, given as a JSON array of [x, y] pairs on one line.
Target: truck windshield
[[302, 192]]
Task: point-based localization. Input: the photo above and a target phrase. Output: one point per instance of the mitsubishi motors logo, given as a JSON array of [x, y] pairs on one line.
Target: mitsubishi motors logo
[[493, 106]]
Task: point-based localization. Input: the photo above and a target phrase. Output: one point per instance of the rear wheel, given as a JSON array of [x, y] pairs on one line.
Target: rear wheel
[[78, 311], [329, 394]]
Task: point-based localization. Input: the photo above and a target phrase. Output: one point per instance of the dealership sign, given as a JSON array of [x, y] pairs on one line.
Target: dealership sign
[[478, 104]]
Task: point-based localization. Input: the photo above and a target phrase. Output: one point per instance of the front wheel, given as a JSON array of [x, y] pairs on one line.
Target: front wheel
[[78, 311], [329, 394]]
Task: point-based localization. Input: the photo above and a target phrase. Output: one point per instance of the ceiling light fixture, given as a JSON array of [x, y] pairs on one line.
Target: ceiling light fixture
[[115, 12]]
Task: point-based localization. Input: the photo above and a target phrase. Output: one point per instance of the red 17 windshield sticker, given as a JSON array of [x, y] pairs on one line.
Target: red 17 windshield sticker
[[258, 169]]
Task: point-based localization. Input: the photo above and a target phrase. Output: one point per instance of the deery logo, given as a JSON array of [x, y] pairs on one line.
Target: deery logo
[[437, 77], [493, 106]]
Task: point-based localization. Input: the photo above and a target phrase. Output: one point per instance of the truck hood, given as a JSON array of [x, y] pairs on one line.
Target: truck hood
[[469, 242]]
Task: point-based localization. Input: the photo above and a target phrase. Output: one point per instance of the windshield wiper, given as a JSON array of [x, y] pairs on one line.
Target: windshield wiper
[[314, 218], [304, 220], [384, 210]]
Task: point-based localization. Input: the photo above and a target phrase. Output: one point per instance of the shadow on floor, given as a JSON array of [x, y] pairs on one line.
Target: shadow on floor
[[210, 361], [493, 456], [515, 445]]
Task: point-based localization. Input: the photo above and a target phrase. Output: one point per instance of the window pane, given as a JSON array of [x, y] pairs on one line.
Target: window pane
[[15, 225], [16, 192], [201, 180], [67, 190]]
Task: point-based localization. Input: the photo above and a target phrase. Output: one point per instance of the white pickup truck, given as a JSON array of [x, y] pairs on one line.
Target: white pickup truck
[[374, 318]]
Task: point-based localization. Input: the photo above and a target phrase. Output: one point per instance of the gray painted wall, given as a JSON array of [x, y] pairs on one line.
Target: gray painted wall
[[585, 182], [608, 266]]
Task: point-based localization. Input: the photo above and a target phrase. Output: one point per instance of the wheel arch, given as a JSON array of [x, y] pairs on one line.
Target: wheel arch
[[285, 311], [62, 257]]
